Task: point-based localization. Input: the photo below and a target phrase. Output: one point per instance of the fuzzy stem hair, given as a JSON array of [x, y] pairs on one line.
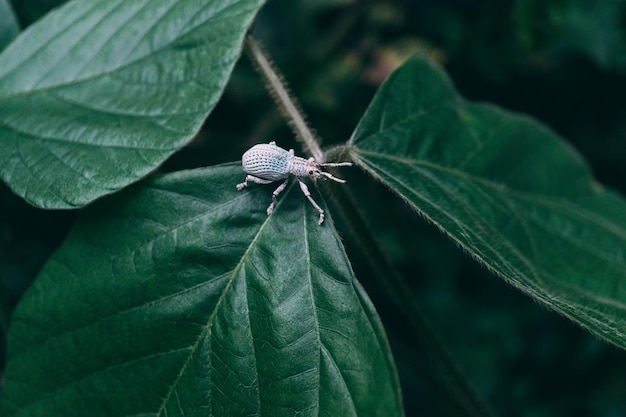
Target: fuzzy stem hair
[[285, 102]]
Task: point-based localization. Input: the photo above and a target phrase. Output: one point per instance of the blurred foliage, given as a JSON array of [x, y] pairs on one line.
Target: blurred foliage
[[28, 236], [8, 24], [562, 61], [28, 11]]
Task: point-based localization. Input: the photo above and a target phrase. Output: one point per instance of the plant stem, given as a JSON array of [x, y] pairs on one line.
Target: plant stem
[[287, 104]]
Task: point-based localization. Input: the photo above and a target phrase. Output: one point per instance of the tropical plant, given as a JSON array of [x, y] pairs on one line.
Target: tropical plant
[[175, 294]]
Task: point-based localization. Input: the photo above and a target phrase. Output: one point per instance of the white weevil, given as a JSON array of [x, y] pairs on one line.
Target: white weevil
[[266, 163]]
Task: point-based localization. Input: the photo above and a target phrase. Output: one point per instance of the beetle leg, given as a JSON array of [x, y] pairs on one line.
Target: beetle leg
[[277, 191], [252, 178], [307, 194]]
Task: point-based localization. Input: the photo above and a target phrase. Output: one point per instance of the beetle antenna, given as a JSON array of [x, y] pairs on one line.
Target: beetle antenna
[[336, 164], [330, 176]]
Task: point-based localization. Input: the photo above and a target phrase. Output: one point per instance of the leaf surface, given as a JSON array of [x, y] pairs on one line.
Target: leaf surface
[[97, 94], [181, 297], [506, 189]]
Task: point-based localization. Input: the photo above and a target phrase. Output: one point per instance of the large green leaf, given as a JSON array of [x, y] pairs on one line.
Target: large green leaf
[[8, 24], [506, 189], [181, 297], [99, 93]]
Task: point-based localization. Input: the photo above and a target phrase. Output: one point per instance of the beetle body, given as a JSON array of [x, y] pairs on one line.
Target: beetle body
[[271, 162], [266, 163]]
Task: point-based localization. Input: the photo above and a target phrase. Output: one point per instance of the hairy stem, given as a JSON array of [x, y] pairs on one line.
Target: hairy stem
[[284, 100]]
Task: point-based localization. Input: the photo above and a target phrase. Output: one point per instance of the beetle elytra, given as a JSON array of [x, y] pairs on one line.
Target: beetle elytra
[[266, 163]]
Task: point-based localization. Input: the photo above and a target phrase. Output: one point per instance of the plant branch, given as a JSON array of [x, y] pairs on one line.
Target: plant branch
[[285, 102]]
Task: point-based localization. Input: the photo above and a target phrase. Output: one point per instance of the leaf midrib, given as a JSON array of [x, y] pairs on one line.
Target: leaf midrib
[[562, 204], [192, 348], [144, 244], [234, 273], [537, 272]]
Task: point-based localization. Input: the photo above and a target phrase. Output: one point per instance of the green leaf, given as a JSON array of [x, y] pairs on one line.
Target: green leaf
[[8, 24], [181, 297], [98, 94], [506, 189]]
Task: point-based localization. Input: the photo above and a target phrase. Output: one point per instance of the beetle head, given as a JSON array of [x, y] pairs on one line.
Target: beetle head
[[315, 170]]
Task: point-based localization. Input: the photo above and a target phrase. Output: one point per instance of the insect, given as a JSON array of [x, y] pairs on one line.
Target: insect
[[266, 163]]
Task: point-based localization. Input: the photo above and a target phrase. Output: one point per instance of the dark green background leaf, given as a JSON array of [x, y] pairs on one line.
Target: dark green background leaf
[[8, 24], [506, 189], [29, 11], [591, 28], [98, 94], [181, 297]]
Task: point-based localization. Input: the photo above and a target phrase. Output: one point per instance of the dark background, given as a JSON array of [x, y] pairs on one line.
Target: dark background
[[562, 62]]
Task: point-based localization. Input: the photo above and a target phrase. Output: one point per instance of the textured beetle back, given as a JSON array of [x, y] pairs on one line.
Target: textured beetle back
[[266, 161]]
